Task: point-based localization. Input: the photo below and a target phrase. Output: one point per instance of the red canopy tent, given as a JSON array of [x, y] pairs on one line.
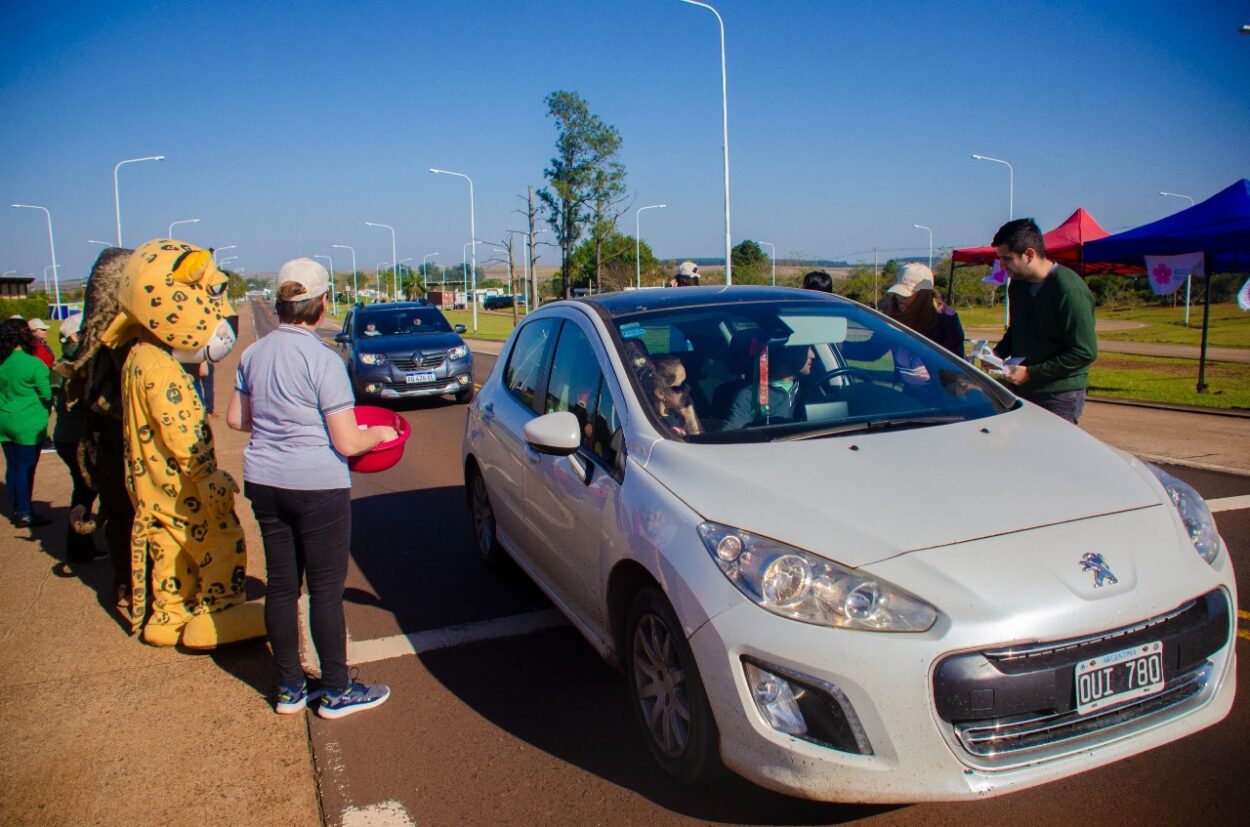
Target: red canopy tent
[[1064, 244]]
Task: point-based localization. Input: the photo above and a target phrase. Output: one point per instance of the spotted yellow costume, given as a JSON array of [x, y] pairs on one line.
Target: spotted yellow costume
[[186, 543]]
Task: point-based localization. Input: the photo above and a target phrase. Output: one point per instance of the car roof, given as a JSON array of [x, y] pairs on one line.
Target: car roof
[[641, 301], [381, 306]]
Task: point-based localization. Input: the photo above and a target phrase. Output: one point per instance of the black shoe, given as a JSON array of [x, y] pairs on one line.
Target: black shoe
[[31, 521]]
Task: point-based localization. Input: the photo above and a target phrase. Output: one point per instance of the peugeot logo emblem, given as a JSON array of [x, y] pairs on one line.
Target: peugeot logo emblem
[[1102, 572]]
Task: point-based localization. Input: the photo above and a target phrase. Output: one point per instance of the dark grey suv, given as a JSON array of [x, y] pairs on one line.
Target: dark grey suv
[[405, 350]]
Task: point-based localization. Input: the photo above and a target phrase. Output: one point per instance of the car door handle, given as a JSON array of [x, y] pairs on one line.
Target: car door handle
[[533, 456], [488, 411]]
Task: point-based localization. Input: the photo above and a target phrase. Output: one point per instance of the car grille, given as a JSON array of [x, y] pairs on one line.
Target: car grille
[[1013, 705], [420, 360]]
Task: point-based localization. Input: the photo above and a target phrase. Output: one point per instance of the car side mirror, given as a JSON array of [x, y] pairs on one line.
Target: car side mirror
[[343, 338], [460, 328], [558, 434]]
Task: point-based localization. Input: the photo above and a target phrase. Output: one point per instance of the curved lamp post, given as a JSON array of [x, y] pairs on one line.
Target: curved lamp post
[[425, 269], [394, 264], [638, 242], [1011, 214], [334, 307], [51, 247], [930, 231], [103, 243], [355, 284], [724, 109], [184, 221], [218, 250], [117, 200], [472, 237]]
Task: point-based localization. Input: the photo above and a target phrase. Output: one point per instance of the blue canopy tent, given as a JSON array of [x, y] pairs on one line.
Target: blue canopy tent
[[1219, 228]]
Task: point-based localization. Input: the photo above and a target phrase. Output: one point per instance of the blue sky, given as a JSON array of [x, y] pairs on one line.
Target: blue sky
[[286, 125]]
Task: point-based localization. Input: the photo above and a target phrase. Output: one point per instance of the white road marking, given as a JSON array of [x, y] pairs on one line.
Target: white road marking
[[1229, 503], [367, 651], [385, 814]]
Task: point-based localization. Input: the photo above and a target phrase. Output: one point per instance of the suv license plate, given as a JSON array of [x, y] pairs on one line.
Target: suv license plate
[[1118, 677], [419, 376]]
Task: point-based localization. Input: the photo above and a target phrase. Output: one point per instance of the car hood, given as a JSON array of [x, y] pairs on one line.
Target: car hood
[[860, 498], [404, 345]]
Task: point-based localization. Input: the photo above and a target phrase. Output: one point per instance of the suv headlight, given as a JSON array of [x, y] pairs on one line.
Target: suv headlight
[[458, 352], [800, 585], [373, 358], [1194, 513]]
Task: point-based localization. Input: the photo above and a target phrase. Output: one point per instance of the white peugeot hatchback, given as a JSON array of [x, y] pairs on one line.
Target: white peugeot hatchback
[[835, 557]]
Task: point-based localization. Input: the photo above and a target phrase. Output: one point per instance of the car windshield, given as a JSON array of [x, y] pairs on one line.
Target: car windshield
[[402, 322], [749, 372]]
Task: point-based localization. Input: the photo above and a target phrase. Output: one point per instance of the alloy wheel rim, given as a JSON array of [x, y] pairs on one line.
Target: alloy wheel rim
[[660, 679]]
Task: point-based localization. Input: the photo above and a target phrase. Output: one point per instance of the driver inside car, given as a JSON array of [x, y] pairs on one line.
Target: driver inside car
[[785, 367]]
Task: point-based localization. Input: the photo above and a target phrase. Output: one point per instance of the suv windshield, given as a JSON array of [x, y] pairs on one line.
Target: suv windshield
[[795, 370], [401, 322]]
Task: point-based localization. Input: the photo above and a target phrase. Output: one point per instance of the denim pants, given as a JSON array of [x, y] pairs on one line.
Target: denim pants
[[306, 534], [1066, 404], [19, 475]]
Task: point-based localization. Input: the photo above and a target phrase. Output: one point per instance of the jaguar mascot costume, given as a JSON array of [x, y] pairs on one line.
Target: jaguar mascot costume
[[186, 543]]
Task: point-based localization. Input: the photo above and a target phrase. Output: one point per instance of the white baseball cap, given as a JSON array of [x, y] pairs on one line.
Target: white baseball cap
[[912, 277], [37, 324], [71, 325], [308, 274]]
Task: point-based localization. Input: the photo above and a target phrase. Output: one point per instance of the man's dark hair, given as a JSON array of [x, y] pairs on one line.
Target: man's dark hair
[[818, 280], [1020, 235], [293, 310]]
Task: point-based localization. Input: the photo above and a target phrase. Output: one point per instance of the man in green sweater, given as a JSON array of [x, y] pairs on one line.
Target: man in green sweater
[[1052, 323]]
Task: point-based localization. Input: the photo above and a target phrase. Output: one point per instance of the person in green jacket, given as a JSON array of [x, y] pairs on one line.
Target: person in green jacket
[[1051, 323], [25, 396]]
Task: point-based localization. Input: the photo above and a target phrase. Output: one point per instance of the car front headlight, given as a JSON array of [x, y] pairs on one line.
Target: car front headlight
[[1193, 512], [457, 352], [803, 586], [373, 358]]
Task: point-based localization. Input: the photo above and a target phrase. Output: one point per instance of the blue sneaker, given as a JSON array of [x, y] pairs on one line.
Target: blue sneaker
[[356, 698], [292, 699]]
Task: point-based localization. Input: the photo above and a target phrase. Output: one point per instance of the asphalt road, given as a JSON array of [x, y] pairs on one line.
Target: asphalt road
[[535, 729]]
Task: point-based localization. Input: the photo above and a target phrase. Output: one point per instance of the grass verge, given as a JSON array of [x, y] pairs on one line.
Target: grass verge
[[1170, 381]]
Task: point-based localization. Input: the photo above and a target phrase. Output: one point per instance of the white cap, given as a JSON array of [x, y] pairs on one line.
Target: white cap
[[71, 325], [688, 268], [912, 277], [308, 274], [37, 324]]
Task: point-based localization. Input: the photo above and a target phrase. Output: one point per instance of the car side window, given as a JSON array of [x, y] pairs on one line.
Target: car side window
[[526, 362], [577, 386]]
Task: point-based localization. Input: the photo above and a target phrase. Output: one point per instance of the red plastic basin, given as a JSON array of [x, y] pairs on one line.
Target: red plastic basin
[[384, 454]]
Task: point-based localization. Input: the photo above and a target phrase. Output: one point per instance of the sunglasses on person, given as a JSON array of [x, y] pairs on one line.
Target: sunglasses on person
[[684, 386]]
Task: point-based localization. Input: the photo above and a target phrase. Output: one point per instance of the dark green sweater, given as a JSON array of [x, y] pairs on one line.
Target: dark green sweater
[[1053, 331]]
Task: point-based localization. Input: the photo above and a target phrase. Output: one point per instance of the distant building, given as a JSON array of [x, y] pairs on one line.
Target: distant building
[[15, 286]]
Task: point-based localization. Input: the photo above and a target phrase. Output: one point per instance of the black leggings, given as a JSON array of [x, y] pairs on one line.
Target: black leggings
[[306, 533], [78, 547]]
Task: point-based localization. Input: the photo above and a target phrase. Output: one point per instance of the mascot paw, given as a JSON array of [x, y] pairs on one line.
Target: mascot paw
[[81, 520], [158, 635], [212, 629]]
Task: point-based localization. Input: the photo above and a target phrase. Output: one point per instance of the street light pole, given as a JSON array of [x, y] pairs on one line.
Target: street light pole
[[724, 109], [51, 247], [377, 278], [1188, 279], [401, 261], [117, 200], [1011, 215], [425, 269], [930, 230], [638, 242], [176, 223], [355, 282], [334, 307], [394, 263], [472, 237], [772, 249], [217, 251]]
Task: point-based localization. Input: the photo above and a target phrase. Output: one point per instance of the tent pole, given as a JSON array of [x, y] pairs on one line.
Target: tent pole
[[1206, 318], [950, 285]]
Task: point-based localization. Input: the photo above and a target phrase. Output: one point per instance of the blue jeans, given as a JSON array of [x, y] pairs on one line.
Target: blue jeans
[[19, 475], [1066, 404]]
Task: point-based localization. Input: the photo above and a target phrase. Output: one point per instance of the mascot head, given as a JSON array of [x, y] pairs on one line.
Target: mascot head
[[171, 292]]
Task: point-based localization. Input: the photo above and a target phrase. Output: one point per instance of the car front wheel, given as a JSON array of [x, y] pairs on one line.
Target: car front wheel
[[666, 691]]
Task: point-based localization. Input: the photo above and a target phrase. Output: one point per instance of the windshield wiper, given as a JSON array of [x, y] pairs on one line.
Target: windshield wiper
[[893, 424]]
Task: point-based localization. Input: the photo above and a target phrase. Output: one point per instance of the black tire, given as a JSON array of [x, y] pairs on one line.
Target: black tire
[[675, 717], [483, 520], [465, 396]]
